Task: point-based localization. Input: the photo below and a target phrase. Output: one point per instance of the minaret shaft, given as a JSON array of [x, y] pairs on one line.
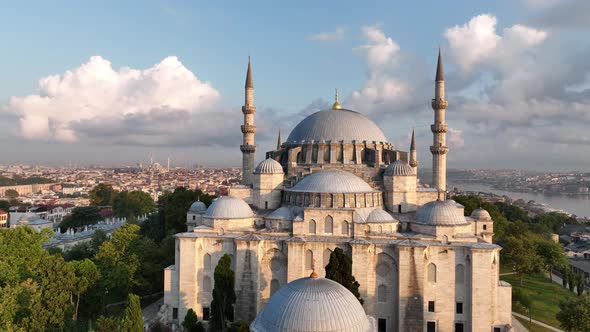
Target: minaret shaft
[[248, 147], [439, 129]]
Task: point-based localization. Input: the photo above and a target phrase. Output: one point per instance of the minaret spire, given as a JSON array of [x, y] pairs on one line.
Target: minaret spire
[[279, 141], [413, 154], [248, 147], [439, 129]]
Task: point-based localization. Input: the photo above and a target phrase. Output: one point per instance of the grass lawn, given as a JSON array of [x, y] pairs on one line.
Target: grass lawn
[[544, 294], [532, 327]]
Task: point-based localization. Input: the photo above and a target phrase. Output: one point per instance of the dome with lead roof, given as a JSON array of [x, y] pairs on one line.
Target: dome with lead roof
[[269, 166], [399, 168], [440, 213], [379, 215], [336, 125], [333, 181], [198, 206], [312, 305], [481, 214], [226, 207]]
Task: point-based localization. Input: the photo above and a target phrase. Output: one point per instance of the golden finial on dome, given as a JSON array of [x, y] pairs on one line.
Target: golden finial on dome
[[313, 274], [336, 105]]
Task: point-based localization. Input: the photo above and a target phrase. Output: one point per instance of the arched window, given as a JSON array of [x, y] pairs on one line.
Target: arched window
[[312, 226], [382, 293], [326, 257], [380, 229], [431, 272], [459, 274], [207, 262], [344, 227], [485, 227], [445, 239], [274, 286], [206, 284], [329, 225], [309, 259]]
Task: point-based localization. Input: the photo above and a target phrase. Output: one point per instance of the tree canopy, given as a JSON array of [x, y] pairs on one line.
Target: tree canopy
[[339, 269], [81, 216], [574, 314], [133, 319], [102, 195]]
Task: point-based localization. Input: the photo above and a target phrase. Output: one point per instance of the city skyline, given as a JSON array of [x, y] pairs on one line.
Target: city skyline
[[111, 94]]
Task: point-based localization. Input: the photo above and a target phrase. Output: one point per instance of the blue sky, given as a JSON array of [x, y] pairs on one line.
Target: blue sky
[[300, 51]]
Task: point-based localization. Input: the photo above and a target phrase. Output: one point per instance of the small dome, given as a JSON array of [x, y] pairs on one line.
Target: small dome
[[399, 167], [312, 305], [226, 207], [281, 213], [440, 213], [198, 206], [379, 215], [481, 214], [336, 125], [269, 166], [332, 181]]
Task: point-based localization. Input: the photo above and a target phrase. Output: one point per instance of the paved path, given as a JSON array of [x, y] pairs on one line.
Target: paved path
[[538, 323], [507, 273]]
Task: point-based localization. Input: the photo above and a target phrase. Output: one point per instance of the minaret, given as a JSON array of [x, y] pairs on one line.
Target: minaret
[[248, 129], [413, 155], [439, 129], [279, 140]]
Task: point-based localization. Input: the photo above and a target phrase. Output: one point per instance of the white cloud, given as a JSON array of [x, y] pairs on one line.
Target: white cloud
[[477, 42], [96, 93], [380, 50], [337, 34]]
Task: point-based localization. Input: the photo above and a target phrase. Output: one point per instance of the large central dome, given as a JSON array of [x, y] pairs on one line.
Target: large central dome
[[336, 125]]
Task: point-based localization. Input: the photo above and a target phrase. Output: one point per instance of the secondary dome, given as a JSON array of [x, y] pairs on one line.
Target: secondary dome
[[481, 214], [28, 217], [281, 213], [198, 206], [399, 167], [440, 213], [226, 207], [332, 181], [379, 215], [312, 305], [269, 166], [336, 125]]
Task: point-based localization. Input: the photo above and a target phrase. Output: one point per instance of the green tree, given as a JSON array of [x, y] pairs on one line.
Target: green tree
[[174, 205], [102, 195], [190, 321], [133, 319], [224, 296], [339, 269], [133, 204], [11, 193], [571, 280], [106, 324], [4, 205], [81, 216], [519, 254], [552, 255], [87, 274], [117, 264], [35, 285], [574, 314]]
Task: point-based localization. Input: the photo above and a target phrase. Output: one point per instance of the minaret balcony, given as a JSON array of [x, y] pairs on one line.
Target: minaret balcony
[[439, 128], [441, 149], [249, 109], [248, 148], [248, 129], [439, 104]]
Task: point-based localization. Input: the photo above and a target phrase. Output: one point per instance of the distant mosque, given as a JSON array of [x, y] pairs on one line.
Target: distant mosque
[[336, 182]]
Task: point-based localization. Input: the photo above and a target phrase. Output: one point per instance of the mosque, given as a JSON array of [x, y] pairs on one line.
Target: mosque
[[336, 182]]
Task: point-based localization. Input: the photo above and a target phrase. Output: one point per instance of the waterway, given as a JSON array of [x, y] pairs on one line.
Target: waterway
[[575, 204]]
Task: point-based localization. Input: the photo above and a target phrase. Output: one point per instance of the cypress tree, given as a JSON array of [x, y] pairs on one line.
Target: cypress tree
[[339, 269], [133, 319], [224, 296]]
